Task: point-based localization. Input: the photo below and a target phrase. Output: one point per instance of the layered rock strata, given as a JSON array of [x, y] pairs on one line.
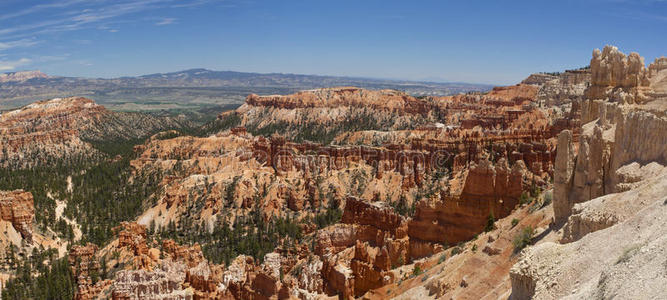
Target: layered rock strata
[[17, 207], [489, 191], [57, 129]]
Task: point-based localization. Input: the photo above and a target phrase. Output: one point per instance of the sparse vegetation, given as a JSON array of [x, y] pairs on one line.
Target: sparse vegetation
[[490, 223], [416, 271], [53, 280], [627, 254], [525, 199], [331, 216], [229, 121], [515, 221], [548, 197], [102, 195], [523, 239], [402, 208]]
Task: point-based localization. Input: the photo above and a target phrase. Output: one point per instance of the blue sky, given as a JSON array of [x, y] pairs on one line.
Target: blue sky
[[497, 42]]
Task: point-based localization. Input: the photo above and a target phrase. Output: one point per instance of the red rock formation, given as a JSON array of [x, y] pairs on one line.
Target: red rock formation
[[344, 96], [191, 255], [132, 235], [163, 283], [359, 253], [488, 190], [17, 207], [44, 131], [83, 262]]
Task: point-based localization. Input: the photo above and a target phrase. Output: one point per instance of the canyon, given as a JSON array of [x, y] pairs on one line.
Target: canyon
[[551, 188], [453, 178]]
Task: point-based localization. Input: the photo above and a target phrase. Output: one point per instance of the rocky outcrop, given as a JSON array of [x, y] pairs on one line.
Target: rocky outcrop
[[610, 196], [133, 236], [617, 136], [164, 282], [359, 253], [639, 137], [565, 88], [563, 172], [321, 114], [48, 131], [618, 77], [659, 64], [615, 249], [83, 263], [17, 207]]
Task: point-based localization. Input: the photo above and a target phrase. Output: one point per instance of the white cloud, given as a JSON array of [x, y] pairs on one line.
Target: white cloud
[[165, 21], [70, 15], [7, 65], [37, 8], [17, 43]]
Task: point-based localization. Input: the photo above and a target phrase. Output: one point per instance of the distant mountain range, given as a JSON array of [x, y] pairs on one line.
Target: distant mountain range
[[193, 88]]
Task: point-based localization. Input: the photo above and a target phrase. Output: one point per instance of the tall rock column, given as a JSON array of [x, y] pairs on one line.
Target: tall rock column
[[563, 173]]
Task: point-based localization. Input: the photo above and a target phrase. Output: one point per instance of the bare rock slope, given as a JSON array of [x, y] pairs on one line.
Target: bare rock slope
[[610, 193]]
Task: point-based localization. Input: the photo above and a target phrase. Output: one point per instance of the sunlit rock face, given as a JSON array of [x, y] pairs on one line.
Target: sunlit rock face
[[60, 129], [17, 207], [609, 191]]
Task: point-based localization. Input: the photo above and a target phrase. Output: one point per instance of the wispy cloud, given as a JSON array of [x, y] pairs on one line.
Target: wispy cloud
[[80, 15], [165, 21], [17, 44], [8, 65], [30, 26], [193, 3], [41, 7]]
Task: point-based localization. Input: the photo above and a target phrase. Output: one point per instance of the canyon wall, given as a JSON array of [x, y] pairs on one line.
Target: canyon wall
[[489, 191], [614, 134], [609, 192], [17, 207]]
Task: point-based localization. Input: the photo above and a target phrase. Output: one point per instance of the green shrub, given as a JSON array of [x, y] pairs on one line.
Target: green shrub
[[548, 197], [456, 250], [525, 199], [442, 258], [523, 239], [534, 190], [515, 221], [416, 271], [490, 221]]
